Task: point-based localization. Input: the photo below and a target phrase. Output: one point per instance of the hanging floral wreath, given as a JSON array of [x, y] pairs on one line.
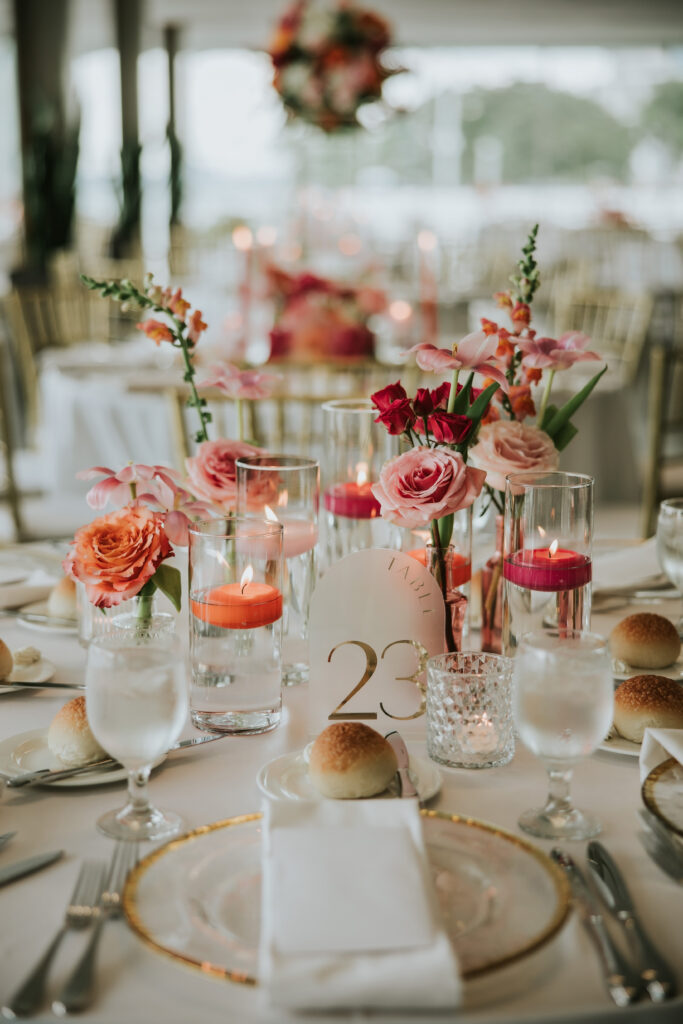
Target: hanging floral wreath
[[327, 61]]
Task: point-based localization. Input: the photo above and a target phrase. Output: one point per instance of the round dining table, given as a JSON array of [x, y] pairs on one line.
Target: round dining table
[[560, 983]]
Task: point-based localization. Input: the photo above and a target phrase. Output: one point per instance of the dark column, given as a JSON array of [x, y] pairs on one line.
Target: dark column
[[171, 41], [128, 17], [49, 136]]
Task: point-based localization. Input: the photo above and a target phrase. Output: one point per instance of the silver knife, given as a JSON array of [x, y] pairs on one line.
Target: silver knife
[[623, 982], [395, 741], [18, 684], [658, 978], [51, 775], [28, 866]]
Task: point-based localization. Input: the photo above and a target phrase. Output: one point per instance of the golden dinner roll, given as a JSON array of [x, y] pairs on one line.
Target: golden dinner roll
[[70, 738], [350, 760], [6, 661], [647, 701], [645, 640], [62, 600]]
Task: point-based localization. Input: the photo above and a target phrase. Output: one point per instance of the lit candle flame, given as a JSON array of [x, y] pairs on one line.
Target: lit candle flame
[[219, 558], [242, 238], [247, 577], [361, 473], [282, 499], [270, 515], [541, 531], [552, 550]]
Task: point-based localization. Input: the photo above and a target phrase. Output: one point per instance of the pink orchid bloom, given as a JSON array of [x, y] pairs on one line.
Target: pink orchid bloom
[[474, 352], [119, 488], [237, 383], [177, 516], [552, 354]]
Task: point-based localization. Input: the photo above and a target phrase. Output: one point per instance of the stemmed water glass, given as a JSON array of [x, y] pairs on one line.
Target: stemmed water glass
[[137, 701], [563, 700], [670, 544]]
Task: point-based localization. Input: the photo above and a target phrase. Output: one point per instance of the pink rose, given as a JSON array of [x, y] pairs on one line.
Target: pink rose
[[425, 484], [211, 472], [511, 447]]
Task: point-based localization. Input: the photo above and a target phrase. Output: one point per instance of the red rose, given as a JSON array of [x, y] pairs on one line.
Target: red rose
[[391, 393], [423, 403], [441, 395], [448, 427], [397, 416]]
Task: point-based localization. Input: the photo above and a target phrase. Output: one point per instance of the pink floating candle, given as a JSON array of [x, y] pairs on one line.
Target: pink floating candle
[[548, 569], [299, 536], [352, 501]]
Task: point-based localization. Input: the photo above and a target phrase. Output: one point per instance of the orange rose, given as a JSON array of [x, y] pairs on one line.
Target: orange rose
[[115, 555]]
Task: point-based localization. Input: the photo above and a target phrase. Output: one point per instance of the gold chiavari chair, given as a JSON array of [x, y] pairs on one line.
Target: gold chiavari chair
[[663, 476], [617, 324], [10, 491]]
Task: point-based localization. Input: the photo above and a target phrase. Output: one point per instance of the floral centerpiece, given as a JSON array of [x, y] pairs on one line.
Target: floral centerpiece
[[327, 61], [317, 318], [123, 555], [426, 485], [508, 441]]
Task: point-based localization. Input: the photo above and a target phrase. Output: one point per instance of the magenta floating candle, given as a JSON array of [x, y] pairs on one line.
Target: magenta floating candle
[[548, 569], [352, 501]]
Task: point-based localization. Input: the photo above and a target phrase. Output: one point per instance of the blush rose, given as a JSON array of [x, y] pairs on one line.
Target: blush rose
[[507, 446], [425, 484], [211, 472]]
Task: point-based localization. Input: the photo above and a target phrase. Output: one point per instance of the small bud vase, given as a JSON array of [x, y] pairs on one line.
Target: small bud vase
[[492, 596]]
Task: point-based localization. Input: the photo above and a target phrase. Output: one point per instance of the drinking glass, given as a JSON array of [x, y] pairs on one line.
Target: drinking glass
[[136, 698], [563, 698], [670, 544]]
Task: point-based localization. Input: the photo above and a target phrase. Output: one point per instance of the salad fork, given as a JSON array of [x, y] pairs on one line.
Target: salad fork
[[79, 990], [80, 912]]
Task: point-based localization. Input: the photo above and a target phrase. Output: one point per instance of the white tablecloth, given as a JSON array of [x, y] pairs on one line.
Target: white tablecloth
[[218, 781]]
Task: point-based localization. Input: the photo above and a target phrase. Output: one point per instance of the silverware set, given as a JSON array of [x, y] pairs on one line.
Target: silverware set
[[627, 978], [95, 900]]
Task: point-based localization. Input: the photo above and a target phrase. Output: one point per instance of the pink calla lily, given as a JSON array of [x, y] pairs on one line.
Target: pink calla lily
[[117, 487], [555, 354], [474, 352]]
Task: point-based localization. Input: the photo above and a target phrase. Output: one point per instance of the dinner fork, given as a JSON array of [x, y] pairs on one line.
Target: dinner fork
[[79, 990], [80, 912]]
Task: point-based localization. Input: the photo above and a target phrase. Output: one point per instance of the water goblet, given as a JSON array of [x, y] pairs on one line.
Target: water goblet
[[563, 697], [670, 544], [137, 700]]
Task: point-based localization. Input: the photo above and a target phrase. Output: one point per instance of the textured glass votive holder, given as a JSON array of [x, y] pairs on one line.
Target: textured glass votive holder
[[469, 710]]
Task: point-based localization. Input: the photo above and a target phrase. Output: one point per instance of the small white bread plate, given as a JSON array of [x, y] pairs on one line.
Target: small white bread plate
[[48, 625], [28, 752], [622, 671], [286, 778], [618, 745]]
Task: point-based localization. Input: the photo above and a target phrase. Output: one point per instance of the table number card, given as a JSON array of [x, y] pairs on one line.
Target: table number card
[[376, 617]]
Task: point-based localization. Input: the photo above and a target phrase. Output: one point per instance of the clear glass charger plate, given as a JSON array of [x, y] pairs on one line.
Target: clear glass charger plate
[[198, 898], [662, 794]]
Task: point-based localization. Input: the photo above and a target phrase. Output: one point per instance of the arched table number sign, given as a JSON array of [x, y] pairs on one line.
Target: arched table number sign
[[376, 617]]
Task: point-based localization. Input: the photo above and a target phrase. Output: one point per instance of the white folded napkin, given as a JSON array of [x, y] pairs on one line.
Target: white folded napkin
[[626, 568], [659, 745], [349, 916], [36, 588]]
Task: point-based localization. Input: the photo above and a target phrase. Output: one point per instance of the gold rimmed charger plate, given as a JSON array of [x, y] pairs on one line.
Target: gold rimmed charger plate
[[662, 793], [197, 899]]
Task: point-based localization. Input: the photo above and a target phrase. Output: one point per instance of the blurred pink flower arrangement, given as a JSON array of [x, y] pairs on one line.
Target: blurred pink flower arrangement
[[317, 318], [327, 61]]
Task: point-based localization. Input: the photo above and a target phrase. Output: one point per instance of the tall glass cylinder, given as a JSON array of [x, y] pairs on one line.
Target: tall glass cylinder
[[356, 448], [236, 624], [547, 568], [286, 489]]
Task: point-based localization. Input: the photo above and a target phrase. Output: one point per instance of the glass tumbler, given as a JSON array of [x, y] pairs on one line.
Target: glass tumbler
[[236, 624], [286, 489], [469, 710], [670, 544]]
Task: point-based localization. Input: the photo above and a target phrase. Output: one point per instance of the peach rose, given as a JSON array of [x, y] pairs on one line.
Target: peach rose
[[511, 447], [212, 474], [425, 484], [115, 555]]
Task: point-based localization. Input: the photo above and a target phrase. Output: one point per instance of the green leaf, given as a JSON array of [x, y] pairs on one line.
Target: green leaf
[[564, 435], [564, 414], [550, 411], [477, 409], [462, 399], [445, 527], [167, 579]]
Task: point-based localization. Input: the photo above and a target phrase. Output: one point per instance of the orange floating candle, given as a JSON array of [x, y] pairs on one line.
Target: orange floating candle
[[460, 567], [239, 606]]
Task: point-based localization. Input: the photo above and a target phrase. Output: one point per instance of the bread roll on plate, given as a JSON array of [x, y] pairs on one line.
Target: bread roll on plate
[[645, 640], [6, 661], [62, 600], [70, 738], [647, 701], [350, 760]]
